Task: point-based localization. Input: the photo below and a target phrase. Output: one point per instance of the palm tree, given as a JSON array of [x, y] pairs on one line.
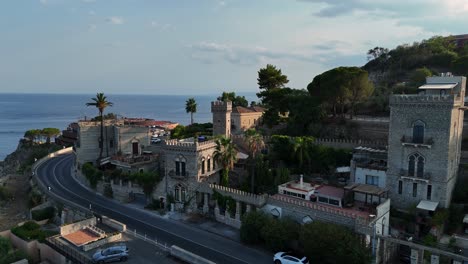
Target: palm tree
[[255, 143], [300, 149], [191, 107], [100, 102], [226, 155]]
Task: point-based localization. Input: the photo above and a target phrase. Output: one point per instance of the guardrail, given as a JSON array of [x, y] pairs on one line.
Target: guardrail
[[44, 188], [144, 237]]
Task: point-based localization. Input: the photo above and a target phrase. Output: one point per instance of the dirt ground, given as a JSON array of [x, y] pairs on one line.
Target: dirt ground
[[14, 210]]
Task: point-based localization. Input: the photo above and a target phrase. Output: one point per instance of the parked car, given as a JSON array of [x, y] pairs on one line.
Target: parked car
[[115, 253], [155, 140], [289, 258]]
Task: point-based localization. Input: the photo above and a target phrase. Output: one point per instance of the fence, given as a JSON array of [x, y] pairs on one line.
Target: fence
[[144, 237]]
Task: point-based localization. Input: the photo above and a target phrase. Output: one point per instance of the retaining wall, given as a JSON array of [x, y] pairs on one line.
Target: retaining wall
[[188, 256]]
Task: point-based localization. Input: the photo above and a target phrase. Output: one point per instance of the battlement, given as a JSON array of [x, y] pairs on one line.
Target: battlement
[[107, 122], [220, 106], [189, 144], [424, 99]]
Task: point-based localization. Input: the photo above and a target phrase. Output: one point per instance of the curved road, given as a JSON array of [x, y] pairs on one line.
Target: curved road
[[56, 173]]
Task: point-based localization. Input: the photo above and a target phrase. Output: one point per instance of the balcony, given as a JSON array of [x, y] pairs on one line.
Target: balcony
[[409, 141], [172, 174], [405, 175]]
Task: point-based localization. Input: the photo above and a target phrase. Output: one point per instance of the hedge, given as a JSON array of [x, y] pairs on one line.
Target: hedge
[[43, 214]]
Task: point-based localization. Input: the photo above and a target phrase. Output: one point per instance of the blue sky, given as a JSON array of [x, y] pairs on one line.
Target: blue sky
[[201, 46]]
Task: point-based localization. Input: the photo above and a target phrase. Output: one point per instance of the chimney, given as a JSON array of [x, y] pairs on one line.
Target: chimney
[[301, 181]]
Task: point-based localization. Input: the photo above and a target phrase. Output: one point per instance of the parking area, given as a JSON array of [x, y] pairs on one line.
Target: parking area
[[141, 251]]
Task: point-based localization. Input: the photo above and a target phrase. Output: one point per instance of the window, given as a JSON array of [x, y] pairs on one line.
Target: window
[[183, 194], [203, 166], [208, 167], [420, 172], [111, 143], [214, 165], [183, 169], [416, 165], [334, 202], [177, 193], [323, 199], [429, 192], [415, 189], [400, 187], [411, 166], [177, 168], [418, 132], [372, 180]]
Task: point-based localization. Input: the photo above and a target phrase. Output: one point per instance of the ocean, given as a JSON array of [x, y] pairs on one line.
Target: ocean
[[21, 112]]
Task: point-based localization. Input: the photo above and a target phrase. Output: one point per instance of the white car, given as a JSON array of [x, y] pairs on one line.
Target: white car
[[155, 140], [289, 258]]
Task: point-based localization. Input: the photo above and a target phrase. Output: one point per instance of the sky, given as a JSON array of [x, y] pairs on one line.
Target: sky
[[201, 46]]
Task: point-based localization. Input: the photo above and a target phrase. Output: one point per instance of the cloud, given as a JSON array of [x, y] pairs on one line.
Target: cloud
[[210, 52], [161, 26], [115, 20]]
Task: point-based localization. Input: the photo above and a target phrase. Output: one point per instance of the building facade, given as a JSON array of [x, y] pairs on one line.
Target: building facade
[[424, 142], [187, 164], [243, 118]]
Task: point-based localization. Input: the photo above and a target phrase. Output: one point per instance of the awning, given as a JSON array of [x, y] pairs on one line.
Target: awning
[[438, 86], [343, 169], [307, 219], [275, 212], [241, 155], [427, 205], [465, 219]]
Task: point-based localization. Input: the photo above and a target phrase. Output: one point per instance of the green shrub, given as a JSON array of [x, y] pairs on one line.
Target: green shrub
[[252, 224], [31, 231], [43, 214]]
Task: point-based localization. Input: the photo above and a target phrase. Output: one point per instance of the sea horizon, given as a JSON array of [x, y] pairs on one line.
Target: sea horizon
[[20, 112]]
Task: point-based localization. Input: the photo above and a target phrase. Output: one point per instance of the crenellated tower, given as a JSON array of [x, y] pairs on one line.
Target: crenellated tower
[[221, 118], [424, 142]]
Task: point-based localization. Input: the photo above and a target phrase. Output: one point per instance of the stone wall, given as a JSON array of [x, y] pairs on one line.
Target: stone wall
[[101, 242], [114, 224], [298, 210], [67, 229]]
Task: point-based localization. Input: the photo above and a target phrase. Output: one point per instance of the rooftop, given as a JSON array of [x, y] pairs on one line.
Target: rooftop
[[82, 237], [296, 185], [252, 109], [330, 191]]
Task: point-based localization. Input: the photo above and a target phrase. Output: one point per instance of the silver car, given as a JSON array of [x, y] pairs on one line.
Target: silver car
[[115, 253]]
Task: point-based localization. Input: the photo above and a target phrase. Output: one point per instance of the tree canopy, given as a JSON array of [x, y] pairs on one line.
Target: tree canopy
[[341, 87], [235, 99]]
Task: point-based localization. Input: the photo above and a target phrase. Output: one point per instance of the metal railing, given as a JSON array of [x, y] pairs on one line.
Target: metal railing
[[163, 246], [67, 251]]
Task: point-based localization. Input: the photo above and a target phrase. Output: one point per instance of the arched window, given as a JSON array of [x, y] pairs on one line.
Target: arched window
[[208, 164], [180, 193], [418, 132], [416, 165], [180, 166]]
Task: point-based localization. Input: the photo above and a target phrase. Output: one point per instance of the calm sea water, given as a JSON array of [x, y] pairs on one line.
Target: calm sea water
[[21, 112]]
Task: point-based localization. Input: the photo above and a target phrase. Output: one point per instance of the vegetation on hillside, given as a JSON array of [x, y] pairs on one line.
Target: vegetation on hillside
[[36, 135], [320, 242]]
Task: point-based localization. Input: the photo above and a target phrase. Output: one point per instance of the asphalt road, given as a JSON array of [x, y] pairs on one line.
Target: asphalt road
[[56, 173]]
